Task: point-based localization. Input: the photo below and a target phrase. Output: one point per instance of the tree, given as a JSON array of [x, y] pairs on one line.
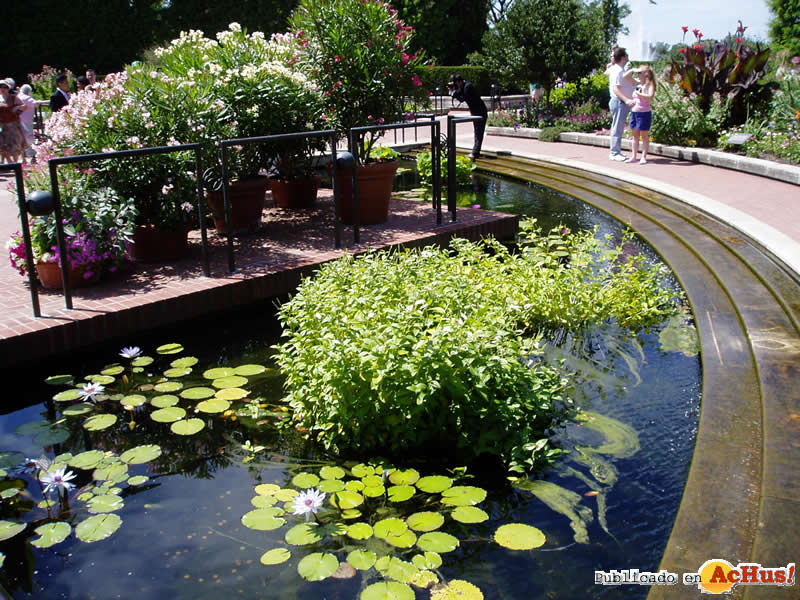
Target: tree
[[612, 17], [447, 30], [498, 9], [269, 16], [784, 28], [542, 40]]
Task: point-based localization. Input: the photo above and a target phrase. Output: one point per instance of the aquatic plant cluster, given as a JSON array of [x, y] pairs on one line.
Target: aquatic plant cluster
[[438, 351]]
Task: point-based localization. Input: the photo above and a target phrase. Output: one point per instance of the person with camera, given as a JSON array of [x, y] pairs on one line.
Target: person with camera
[[464, 91]]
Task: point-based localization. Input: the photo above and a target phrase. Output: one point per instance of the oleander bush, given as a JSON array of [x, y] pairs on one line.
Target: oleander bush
[[438, 350]]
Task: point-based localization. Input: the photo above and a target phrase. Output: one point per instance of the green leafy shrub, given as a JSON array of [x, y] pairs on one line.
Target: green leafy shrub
[[594, 87], [550, 134], [464, 169], [678, 118], [436, 350]]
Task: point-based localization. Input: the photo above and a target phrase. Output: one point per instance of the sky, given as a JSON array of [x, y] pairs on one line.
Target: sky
[[661, 22]]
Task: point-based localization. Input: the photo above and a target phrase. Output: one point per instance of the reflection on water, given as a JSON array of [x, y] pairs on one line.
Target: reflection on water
[[609, 504]]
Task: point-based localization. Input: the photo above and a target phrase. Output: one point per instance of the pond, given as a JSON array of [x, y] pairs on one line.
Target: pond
[[184, 485]]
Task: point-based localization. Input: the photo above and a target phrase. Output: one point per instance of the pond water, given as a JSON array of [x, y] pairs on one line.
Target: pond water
[[174, 507]]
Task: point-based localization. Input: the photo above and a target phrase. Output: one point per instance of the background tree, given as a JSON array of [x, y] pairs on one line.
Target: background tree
[[542, 40], [498, 10], [784, 28], [613, 14], [447, 30], [269, 16]]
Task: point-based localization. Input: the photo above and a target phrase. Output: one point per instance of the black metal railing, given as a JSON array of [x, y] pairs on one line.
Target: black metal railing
[[451, 159], [356, 134]]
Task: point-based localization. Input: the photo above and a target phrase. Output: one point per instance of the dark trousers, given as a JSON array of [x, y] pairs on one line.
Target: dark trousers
[[480, 129]]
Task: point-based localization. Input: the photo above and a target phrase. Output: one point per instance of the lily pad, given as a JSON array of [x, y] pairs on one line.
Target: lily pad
[[317, 566], [469, 514], [438, 542], [354, 485], [359, 531], [99, 422], [218, 373], [428, 560], [113, 473], [425, 521], [262, 519], [233, 393], [214, 405], [177, 372], [197, 393], [463, 495], [138, 480], [164, 401], [33, 427], [102, 379], [400, 493], [169, 349], [187, 426], [330, 486], [374, 491], [167, 387], [372, 481], [142, 361], [332, 472], [424, 579], [104, 504], [60, 380], [286, 494], [249, 370], [387, 590], [518, 536], [362, 559], [389, 527], [98, 527], [457, 589], [404, 540], [133, 400], [267, 489], [9, 529], [346, 500], [186, 361], [74, 410], [10, 458], [113, 370], [434, 484], [68, 395], [407, 477], [305, 480], [263, 501], [352, 513], [303, 534], [362, 470], [394, 568], [51, 534], [276, 556], [141, 454], [87, 460], [234, 381], [54, 435], [168, 415]]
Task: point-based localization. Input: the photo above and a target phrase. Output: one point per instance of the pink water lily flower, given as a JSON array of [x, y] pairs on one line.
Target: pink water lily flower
[[57, 480], [308, 502]]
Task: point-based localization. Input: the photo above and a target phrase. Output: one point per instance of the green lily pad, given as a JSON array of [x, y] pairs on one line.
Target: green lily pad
[[267, 489], [87, 460], [60, 380], [362, 559], [330, 472], [218, 373], [457, 589], [463, 495], [518, 536], [9, 493], [249, 370], [400, 493], [197, 393], [317, 566], [105, 504], [374, 491], [404, 540], [168, 415], [98, 527], [469, 514], [303, 534], [33, 427], [305, 480], [234, 381], [10, 458], [99, 422], [263, 501], [54, 435], [138, 480], [9, 529], [330, 486], [394, 568], [372, 481], [437, 541], [262, 519], [428, 560], [113, 370], [362, 470], [141, 454], [102, 379], [276, 556], [434, 484], [142, 361], [351, 513], [68, 395], [187, 426], [169, 349], [51, 534], [286, 494], [133, 400], [359, 531], [407, 477], [164, 401], [233, 393], [354, 485], [182, 363], [389, 527], [346, 500], [74, 410], [177, 372], [214, 405], [112, 473], [167, 387], [387, 590], [425, 521]]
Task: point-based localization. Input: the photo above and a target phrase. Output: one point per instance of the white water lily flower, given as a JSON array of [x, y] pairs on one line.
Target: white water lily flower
[[57, 480], [308, 502], [130, 352], [90, 390]]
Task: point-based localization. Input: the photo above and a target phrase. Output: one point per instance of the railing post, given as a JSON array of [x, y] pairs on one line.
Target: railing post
[[451, 167], [337, 227], [62, 246], [227, 203], [355, 141], [201, 210]]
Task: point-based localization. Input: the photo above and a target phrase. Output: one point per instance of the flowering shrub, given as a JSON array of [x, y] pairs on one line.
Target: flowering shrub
[[44, 83], [588, 116], [767, 141], [679, 119], [358, 53]]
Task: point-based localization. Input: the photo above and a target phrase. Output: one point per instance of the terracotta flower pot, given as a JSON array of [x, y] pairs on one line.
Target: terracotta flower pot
[[49, 275], [247, 205], [151, 244], [375, 183], [295, 193]]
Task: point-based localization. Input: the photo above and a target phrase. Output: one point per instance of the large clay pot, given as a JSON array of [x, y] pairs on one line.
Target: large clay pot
[[49, 275], [151, 244], [247, 205], [375, 182], [295, 193]]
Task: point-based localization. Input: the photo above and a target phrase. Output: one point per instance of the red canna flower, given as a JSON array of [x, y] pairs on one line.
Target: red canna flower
[[695, 31], [738, 40], [682, 50], [699, 35], [698, 46], [685, 29]]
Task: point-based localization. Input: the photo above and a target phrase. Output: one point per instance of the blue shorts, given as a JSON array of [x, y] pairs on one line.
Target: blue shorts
[[641, 120]]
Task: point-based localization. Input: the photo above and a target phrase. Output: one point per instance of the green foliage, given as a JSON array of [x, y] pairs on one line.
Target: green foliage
[[784, 28], [436, 350], [594, 87], [464, 168], [679, 120], [550, 134], [379, 153]]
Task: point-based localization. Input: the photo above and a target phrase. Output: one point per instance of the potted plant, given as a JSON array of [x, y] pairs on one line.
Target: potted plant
[[358, 53]]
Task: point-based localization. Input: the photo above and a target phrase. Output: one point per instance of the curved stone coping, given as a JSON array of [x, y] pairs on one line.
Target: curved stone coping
[[782, 246], [714, 158]]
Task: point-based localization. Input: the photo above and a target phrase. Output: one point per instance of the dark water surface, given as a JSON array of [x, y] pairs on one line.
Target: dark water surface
[[181, 534]]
